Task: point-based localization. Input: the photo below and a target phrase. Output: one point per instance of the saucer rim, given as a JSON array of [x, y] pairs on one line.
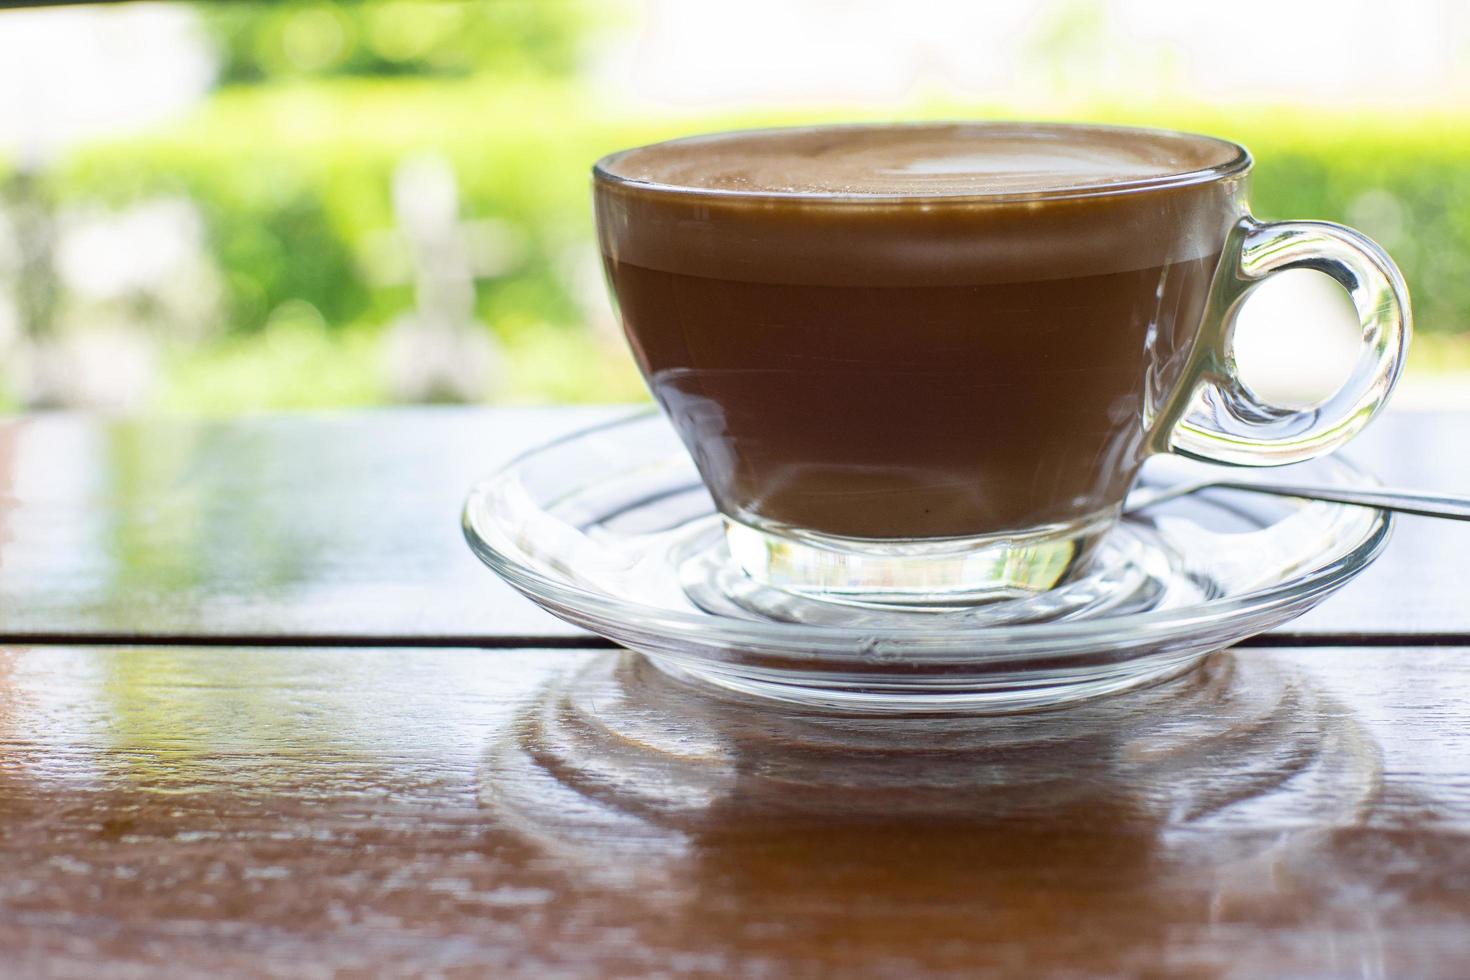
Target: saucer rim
[[1009, 640]]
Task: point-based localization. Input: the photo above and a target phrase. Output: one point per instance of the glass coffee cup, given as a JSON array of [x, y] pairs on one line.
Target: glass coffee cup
[[924, 363]]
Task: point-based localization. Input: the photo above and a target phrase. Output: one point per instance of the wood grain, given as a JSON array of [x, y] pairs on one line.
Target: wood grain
[[308, 812], [344, 528]]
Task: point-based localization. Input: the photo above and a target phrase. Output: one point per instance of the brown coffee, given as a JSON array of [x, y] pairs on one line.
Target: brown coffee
[[915, 331]]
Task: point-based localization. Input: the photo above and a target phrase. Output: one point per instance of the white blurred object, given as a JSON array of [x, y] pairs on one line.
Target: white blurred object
[[151, 259], [128, 279], [583, 272], [109, 368], [1297, 338], [9, 323], [435, 360], [1025, 53], [439, 351], [106, 254], [68, 76], [72, 74]]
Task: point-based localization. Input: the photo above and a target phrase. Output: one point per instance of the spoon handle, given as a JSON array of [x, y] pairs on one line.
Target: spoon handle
[[1452, 506]]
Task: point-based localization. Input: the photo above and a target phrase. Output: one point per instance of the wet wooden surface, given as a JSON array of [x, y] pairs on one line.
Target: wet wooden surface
[[262, 714], [345, 528], [309, 812]]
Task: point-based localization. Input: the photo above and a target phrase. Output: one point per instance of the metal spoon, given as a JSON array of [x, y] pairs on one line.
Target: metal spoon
[[1452, 506]]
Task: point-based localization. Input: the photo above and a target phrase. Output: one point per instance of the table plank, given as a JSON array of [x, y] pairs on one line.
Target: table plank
[[300, 812], [322, 525], [344, 528]]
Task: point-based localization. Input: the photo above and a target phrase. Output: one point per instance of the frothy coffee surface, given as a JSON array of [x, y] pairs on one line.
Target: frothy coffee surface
[[923, 160]]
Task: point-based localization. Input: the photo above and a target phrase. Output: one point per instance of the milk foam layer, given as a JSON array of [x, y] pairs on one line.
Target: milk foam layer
[[925, 160]]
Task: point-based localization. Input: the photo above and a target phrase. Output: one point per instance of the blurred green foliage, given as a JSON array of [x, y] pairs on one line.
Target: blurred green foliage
[[294, 181], [296, 38]]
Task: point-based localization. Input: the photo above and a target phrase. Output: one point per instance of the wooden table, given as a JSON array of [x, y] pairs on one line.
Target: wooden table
[[262, 713]]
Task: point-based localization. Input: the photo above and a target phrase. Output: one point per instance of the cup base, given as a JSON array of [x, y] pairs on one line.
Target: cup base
[[908, 572]]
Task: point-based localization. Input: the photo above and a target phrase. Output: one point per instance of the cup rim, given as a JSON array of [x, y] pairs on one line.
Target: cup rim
[[1238, 162]]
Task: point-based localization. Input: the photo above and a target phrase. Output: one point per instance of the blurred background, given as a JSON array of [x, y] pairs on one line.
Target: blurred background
[[221, 207]]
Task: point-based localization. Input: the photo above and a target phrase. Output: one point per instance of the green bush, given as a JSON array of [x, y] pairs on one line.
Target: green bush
[[294, 181], [1405, 184], [266, 39]]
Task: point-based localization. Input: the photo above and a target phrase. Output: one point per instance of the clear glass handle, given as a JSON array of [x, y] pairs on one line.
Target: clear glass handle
[[1224, 421]]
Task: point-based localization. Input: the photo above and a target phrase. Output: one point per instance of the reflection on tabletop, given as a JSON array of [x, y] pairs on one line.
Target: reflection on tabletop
[[569, 811], [1233, 796]]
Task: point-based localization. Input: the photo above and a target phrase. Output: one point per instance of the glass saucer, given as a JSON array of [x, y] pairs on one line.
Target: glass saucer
[[611, 530]]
